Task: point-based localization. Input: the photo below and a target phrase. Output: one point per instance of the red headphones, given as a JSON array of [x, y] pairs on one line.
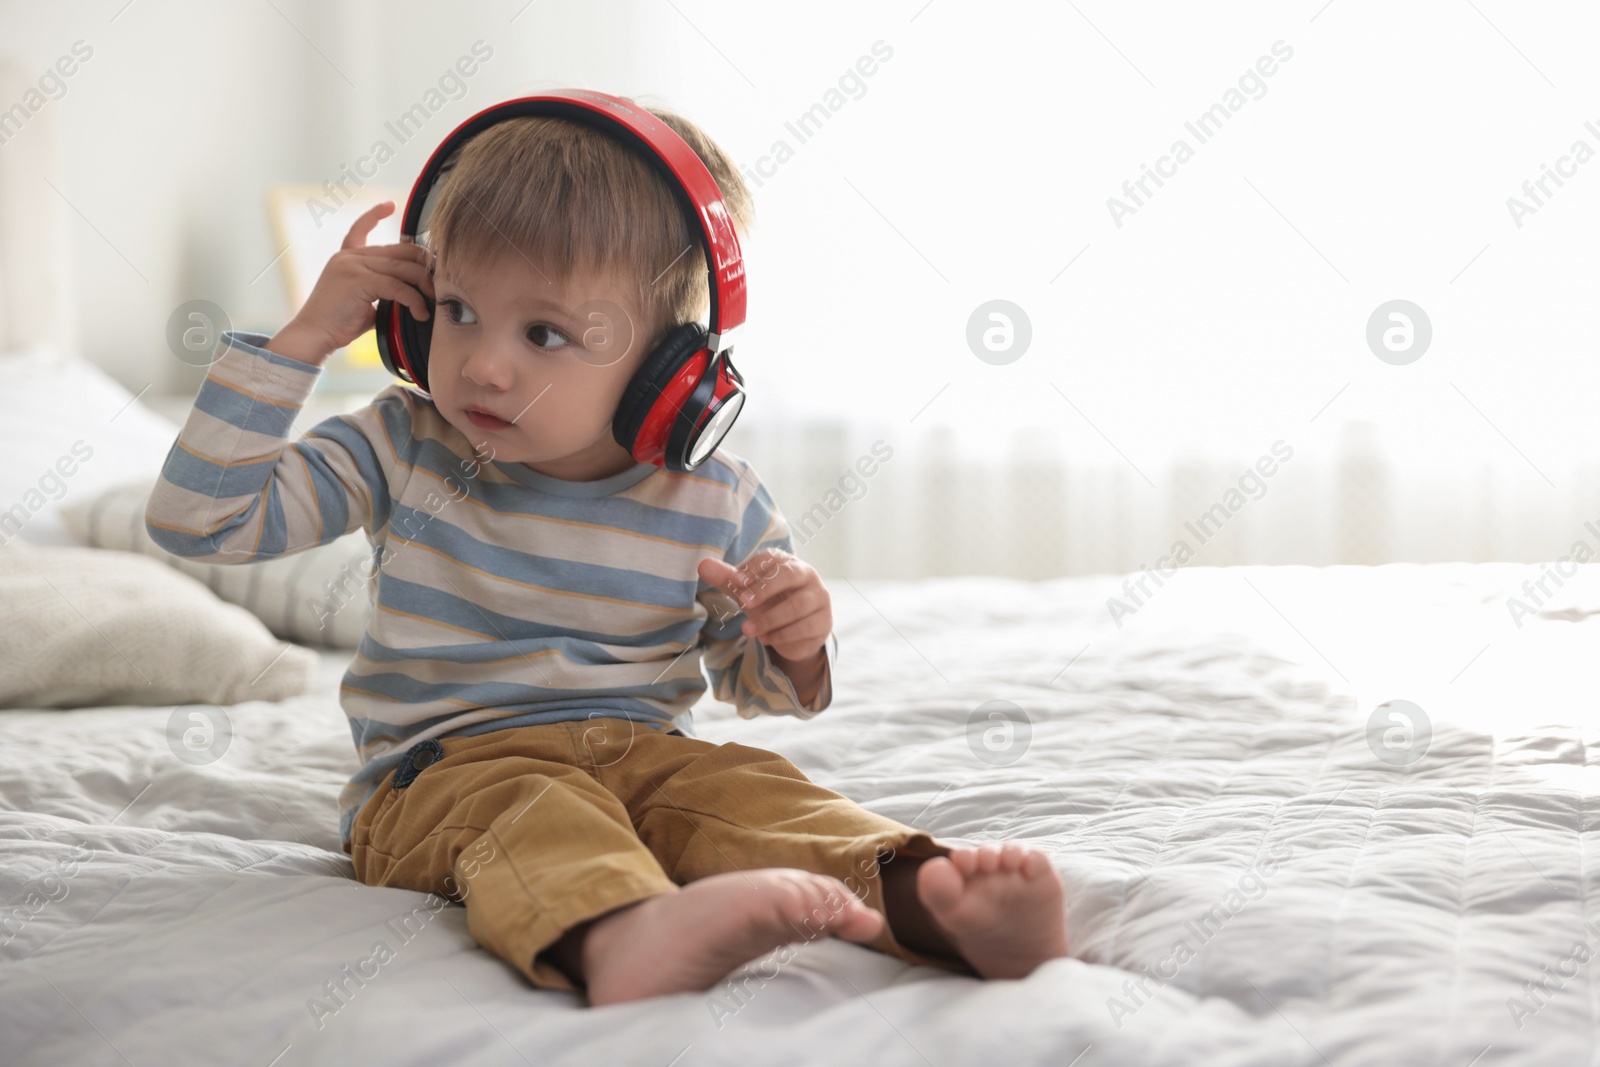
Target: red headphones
[[686, 394]]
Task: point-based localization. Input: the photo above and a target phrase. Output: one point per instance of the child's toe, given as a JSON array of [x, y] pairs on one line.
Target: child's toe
[[939, 883], [859, 922], [1035, 864], [966, 860]]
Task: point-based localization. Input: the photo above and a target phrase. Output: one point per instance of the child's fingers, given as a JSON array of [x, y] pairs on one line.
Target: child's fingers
[[802, 633], [405, 250], [405, 269], [763, 579], [768, 562], [809, 622], [759, 584], [357, 237], [385, 287], [718, 573], [771, 615]]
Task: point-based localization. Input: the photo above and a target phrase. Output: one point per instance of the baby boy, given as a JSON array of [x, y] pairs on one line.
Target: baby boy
[[544, 604]]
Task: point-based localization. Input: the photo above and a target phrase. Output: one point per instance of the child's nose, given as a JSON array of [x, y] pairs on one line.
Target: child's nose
[[487, 367]]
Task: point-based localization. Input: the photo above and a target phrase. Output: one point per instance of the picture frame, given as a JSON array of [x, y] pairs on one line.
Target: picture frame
[[309, 223]]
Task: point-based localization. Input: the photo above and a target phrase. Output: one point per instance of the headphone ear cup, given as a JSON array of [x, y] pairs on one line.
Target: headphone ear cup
[[403, 341], [418, 340], [388, 341], [653, 374]]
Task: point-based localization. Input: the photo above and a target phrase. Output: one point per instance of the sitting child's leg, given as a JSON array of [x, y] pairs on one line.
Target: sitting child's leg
[[531, 845], [688, 940], [557, 882], [707, 810]]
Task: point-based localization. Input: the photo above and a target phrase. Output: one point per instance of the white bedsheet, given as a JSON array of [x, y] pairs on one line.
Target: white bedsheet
[[178, 914]]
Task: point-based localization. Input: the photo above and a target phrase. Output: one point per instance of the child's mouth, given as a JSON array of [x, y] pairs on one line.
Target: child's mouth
[[484, 420]]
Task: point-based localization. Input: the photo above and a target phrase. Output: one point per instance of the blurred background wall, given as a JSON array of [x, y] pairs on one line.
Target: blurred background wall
[[1157, 340]]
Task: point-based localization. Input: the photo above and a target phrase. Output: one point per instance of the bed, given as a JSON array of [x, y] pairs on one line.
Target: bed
[[1229, 767], [1203, 773]]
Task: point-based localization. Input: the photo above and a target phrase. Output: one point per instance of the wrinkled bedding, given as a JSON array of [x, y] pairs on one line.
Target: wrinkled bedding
[[1255, 875]]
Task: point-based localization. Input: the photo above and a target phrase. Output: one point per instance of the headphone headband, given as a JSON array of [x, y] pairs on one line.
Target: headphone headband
[[686, 176]]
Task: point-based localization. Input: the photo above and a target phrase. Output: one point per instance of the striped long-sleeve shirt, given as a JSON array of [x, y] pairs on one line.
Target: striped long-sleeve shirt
[[502, 597]]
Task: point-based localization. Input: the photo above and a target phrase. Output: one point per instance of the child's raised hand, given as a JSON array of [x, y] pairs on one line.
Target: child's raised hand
[[787, 607], [340, 307]]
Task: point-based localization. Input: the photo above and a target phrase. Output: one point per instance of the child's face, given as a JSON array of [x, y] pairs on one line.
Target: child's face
[[531, 366]]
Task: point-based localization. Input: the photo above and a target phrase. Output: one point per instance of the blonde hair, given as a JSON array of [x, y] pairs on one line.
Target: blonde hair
[[571, 197]]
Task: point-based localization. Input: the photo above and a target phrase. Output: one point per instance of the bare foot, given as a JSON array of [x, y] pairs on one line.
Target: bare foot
[[688, 940], [999, 905]]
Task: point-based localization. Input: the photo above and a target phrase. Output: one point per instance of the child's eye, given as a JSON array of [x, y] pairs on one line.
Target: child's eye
[[458, 313], [544, 336]]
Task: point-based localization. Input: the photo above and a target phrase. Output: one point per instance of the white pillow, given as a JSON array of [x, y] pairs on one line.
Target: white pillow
[[67, 431], [81, 627], [317, 597]]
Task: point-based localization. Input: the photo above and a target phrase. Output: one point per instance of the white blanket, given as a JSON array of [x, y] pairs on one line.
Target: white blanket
[[1200, 775]]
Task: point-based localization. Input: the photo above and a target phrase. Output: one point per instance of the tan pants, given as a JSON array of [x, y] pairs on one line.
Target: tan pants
[[539, 828]]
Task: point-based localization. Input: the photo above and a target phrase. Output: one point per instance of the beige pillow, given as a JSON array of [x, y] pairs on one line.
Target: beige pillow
[[82, 626], [317, 597]]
